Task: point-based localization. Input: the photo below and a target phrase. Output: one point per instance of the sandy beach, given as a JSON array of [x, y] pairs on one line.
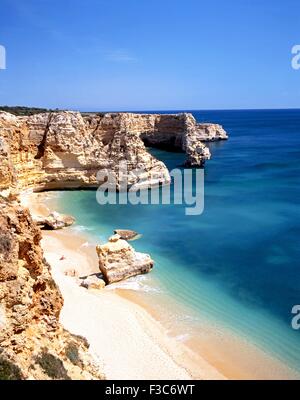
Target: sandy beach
[[126, 340], [126, 332], [129, 343]]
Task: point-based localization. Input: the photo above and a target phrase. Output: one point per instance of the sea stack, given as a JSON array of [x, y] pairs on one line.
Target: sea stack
[[118, 260], [127, 234]]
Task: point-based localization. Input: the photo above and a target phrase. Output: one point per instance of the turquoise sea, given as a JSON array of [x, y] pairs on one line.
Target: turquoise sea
[[237, 264]]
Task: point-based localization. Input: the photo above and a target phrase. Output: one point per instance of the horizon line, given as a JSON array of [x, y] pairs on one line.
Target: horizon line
[[152, 109]]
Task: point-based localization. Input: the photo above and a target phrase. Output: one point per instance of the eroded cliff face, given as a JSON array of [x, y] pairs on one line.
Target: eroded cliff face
[[67, 149], [64, 150], [57, 151], [7, 171], [33, 344], [210, 132]]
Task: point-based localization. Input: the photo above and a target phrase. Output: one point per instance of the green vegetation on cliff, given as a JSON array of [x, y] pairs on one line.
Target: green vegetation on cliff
[[20, 110]]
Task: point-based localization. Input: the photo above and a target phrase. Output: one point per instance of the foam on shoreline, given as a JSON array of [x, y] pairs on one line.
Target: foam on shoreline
[[129, 343], [130, 329]]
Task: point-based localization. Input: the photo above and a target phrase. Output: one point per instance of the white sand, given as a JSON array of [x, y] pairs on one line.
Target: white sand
[[129, 343]]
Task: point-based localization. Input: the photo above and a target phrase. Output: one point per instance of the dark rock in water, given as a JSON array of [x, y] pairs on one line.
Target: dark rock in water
[[127, 234]]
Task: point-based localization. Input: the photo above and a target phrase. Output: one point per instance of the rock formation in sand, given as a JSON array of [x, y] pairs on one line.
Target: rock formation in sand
[[54, 221], [67, 150], [33, 344], [92, 282], [118, 260]]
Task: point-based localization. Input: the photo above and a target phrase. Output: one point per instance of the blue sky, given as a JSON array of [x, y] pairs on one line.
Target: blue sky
[[143, 55]]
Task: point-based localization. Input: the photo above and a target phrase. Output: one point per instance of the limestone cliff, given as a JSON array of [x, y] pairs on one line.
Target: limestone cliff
[[180, 132], [210, 132], [64, 150], [67, 149], [33, 345]]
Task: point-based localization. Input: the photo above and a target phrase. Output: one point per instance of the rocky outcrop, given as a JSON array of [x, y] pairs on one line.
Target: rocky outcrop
[[33, 344], [197, 152], [8, 123], [67, 149], [174, 132], [180, 132], [127, 234], [92, 282], [54, 221], [210, 132], [118, 260], [198, 134]]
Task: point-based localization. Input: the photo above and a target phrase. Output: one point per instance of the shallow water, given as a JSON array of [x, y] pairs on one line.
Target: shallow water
[[237, 264]]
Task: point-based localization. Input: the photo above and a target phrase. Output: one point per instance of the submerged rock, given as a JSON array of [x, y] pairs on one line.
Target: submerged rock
[[127, 234], [55, 221], [118, 260]]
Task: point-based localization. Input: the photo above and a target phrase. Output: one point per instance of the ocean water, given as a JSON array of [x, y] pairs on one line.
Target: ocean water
[[237, 264]]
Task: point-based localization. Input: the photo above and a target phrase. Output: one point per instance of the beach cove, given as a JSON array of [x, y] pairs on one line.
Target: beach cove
[[218, 301], [135, 319], [126, 340], [248, 317]]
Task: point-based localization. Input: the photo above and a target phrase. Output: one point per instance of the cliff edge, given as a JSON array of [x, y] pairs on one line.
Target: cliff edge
[[33, 344], [59, 150], [67, 149]]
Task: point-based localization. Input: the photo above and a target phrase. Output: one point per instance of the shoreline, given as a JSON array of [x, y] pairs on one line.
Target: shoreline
[[212, 357], [125, 339]]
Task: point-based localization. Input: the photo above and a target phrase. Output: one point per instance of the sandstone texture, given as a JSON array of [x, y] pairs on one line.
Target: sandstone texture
[[211, 132], [33, 344], [62, 150], [92, 282], [176, 132], [54, 221], [68, 150], [118, 260], [127, 234]]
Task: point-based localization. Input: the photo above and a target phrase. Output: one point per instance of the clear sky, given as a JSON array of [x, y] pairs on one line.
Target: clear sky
[[143, 55]]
